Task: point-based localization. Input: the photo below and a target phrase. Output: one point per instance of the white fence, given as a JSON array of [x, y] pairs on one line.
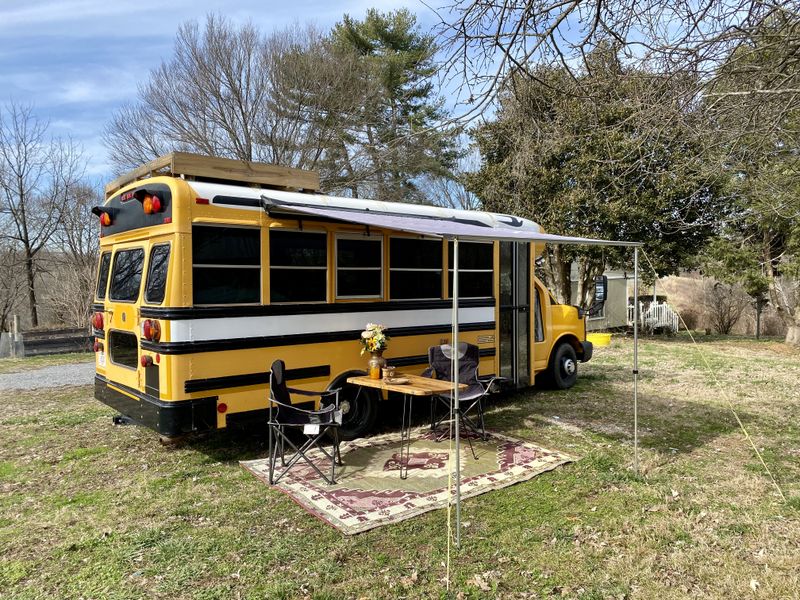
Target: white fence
[[658, 315]]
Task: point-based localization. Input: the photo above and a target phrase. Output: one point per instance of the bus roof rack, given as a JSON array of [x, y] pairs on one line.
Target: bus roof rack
[[209, 168]]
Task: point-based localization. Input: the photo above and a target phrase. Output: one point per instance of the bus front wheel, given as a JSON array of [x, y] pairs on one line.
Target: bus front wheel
[[564, 367], [359, 408]]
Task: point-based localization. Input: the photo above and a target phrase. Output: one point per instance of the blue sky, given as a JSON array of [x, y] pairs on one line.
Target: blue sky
[[77, 60]]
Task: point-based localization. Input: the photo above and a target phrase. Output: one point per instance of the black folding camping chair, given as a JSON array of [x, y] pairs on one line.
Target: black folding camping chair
[[318, 426], [440, 359]]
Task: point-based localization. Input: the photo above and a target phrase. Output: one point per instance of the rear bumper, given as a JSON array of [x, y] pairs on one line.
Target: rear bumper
[[169, 419], [588, 349]]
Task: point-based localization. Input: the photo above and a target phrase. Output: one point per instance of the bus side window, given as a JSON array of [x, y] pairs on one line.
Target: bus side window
[[126, 276], [298, 270], [475, 269], [156, 284], [102, 275], [226, 265], [538, 325], [359, 267], [415, 269]]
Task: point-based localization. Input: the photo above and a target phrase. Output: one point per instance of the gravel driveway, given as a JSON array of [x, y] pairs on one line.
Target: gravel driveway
[[55, 376]]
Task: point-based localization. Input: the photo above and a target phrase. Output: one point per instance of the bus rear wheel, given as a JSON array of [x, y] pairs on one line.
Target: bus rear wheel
[[359, 408], [563, 371]]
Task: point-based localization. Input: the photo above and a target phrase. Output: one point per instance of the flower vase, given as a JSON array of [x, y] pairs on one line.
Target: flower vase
[[375, 365]]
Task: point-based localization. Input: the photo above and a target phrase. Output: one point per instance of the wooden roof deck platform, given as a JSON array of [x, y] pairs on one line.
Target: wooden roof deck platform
[[209, 168]]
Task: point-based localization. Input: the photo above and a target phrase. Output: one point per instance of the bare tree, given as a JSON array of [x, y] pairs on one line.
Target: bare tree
[[11, 282], [233, 92], [74, 257], [724, 305], [37, 174], [488, 41]]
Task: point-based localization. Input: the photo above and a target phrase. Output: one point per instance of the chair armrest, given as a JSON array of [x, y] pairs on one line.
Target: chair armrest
[[323, 410], [487, 380], [309, 393], [428, 372]]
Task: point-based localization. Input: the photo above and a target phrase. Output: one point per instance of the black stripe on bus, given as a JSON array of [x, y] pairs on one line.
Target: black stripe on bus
[[210, 312], [422, 359], [297, 339], [231, 381]]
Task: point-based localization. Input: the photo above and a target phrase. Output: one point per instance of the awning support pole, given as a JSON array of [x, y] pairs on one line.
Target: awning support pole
[[456, 406], [636, 360]]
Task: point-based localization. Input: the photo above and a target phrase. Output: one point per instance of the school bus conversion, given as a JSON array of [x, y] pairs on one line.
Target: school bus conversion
[[199, 289]]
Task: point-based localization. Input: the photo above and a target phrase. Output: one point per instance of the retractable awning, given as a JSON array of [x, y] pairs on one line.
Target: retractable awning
[[442, 223], [449, 224]]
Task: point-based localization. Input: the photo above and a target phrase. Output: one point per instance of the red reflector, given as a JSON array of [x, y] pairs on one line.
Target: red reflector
[[202, 201], [147, 329], [158, 358], [222, 407], [167, 219]]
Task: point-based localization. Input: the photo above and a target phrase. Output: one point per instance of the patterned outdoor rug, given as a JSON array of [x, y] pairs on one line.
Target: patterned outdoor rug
[[369, 492]]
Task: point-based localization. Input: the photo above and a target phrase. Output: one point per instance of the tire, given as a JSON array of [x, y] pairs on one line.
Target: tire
[[563, 369], [359, 411]]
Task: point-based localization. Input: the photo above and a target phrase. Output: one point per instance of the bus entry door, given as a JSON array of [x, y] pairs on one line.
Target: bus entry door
[[515, 265]]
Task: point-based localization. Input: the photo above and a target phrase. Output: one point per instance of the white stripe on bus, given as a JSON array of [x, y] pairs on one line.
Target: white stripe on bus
[[223, 328]]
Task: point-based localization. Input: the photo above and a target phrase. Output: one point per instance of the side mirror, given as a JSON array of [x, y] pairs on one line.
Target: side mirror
[[600, 289]]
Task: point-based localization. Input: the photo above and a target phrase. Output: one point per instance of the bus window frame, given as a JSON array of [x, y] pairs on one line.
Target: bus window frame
[[322, 231], [358, 237], [450, 270], [104, 297], [259, 266], [441, 270], [111, 332], [145, 299], [113, 268]]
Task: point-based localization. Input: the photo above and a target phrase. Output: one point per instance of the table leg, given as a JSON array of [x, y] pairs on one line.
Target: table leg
[[405, 435]]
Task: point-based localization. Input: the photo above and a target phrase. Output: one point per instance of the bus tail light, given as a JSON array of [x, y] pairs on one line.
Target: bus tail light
[[146, 361], [97, 320], [152, 205], [151, 330], [222, 408], [98, 346], [104, 214]]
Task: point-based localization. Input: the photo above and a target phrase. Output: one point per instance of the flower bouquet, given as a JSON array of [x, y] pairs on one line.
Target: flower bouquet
[[374, 339]]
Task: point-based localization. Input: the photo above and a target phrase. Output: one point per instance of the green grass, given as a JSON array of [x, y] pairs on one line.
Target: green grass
[[96, 511], [15, 365]]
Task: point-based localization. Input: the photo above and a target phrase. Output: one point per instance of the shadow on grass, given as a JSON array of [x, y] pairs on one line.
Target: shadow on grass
[[666, 424]]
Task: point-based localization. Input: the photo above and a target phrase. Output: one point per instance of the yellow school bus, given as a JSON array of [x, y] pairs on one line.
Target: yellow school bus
[[199, 289]]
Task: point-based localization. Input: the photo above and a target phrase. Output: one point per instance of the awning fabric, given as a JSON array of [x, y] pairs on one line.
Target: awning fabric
[[453, 224]]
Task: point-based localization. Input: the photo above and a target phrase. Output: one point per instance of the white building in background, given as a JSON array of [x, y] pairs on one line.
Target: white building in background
[[615, 311]]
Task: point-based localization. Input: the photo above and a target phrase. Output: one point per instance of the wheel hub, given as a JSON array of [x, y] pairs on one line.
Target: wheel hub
[[345, 407], [569, 366]]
